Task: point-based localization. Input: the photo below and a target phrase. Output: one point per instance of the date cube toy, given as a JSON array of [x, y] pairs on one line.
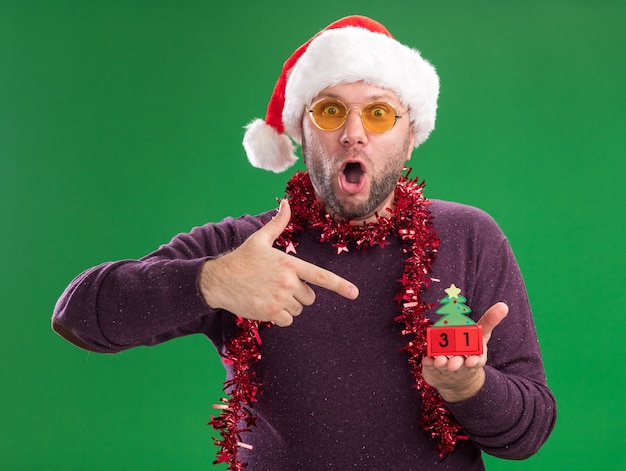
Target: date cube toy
[[454, 333]]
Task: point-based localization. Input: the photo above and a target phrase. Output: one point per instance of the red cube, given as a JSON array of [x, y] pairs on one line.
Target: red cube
[[454, 340]]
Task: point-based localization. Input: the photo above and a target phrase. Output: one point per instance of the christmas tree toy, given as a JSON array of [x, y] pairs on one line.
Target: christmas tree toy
[[454, 333]]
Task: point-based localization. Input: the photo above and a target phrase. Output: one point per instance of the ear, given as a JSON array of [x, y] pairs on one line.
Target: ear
[[303, 145], [411, 145]]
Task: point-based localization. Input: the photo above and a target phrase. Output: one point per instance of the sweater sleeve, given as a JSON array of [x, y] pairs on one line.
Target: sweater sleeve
[[118, 305], [514, 413]]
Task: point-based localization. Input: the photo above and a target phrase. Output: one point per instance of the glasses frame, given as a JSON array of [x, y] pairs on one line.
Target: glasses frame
[[396, 115]]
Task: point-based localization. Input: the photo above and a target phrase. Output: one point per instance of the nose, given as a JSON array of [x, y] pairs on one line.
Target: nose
[[353, 131]]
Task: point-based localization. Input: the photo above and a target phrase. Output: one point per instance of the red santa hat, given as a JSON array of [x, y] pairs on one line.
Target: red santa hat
[[353, 49]]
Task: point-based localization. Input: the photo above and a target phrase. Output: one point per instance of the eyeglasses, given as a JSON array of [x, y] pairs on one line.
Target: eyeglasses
[[330, 114]]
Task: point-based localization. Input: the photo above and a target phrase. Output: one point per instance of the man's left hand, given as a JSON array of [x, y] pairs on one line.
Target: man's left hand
[[459, 378]]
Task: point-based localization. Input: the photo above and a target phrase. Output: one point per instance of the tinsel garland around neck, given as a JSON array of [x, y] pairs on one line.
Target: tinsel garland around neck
[[410, 220]]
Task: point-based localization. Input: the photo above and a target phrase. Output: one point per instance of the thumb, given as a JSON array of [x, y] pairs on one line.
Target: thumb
[[492, 317], [273, 229]]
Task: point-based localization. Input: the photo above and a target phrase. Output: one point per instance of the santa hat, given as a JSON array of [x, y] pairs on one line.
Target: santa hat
[[353, 49]]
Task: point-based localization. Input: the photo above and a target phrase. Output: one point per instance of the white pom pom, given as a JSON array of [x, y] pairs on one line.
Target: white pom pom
[[266, 148]]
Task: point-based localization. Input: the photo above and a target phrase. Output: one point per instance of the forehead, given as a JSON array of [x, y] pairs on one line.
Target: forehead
[[358, 92]]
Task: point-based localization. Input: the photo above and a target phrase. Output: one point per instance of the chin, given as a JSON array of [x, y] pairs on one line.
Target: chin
[[360, 210]]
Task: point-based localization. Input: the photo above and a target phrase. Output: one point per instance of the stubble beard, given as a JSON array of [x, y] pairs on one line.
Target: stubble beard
[[322, 174]]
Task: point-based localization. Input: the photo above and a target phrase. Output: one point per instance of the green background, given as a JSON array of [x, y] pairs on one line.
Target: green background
[[121, 125]]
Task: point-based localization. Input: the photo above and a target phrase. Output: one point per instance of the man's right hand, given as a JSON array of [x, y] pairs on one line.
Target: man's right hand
[[257, 281]]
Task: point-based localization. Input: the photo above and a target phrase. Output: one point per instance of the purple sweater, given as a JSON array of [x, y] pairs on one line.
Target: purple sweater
[[337, 391]]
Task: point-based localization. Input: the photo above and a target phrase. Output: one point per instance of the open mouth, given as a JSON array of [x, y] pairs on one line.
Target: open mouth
[[353, 172], [352, 178]]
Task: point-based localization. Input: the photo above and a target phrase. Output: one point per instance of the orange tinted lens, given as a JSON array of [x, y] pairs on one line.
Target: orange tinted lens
[[378, 117], [329, 114]]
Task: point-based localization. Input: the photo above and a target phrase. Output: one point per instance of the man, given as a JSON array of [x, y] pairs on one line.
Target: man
[[320, 310]]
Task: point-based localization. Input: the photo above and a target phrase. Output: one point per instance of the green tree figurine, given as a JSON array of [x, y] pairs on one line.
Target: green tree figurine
[[453, 309]]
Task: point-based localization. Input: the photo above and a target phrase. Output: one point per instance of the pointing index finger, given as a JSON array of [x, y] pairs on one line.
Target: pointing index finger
[[326, 279]]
